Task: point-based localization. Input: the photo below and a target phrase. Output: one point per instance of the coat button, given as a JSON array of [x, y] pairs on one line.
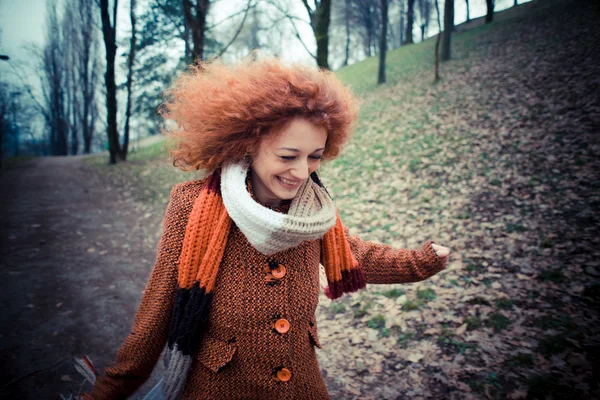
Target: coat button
[[282, 325], [278, 272], [284, 375]]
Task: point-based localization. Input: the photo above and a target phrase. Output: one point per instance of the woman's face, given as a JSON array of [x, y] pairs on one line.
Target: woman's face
[[286, 160]]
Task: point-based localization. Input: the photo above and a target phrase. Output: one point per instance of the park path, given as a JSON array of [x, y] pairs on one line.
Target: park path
[[75, 255]]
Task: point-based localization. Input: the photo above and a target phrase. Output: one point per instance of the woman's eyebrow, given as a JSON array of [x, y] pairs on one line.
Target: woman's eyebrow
[[298, 151]]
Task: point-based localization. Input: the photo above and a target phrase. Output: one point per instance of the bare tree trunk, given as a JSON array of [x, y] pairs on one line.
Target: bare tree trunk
[[321, 28], [320, 19], [437, 10], [489, 17], [87, 73], [110, 44], [383, 41], [54, 81], [347, 18], [437, 58], [516, 3], [130, 60], [255, 44], [410, 18], [186, 37], [402, 13], [468, 11], [196, 21], [448, 26]]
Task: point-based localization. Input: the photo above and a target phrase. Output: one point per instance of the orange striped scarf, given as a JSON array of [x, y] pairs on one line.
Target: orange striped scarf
[[203, 247]]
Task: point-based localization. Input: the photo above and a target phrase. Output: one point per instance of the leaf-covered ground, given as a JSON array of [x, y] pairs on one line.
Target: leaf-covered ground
[[499, 162]]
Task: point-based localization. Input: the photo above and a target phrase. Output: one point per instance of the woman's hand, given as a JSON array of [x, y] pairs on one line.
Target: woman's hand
[[441, 251]]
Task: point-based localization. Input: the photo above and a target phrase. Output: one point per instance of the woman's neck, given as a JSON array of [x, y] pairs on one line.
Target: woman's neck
[[259, 192]]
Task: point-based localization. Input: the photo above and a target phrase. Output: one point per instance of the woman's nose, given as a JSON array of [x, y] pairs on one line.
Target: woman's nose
[[301, 171]]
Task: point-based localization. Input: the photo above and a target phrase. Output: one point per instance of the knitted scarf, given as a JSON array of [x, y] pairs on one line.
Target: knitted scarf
[[224, 198]]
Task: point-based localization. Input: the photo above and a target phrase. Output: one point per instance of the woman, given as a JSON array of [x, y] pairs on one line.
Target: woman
[[235, 287]]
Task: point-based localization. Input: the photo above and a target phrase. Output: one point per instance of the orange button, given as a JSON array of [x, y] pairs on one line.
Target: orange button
[[278, 272], [282, 325], [284, 374]]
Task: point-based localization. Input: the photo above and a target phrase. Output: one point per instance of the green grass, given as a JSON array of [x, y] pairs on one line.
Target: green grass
[[504, 304], [473, 323], [337, 307], [404, 338], [411, 305], [520, 360], [377, 322], [362, 309], [498, 322], [552, 344], [552, 275], [393, 293], [426, 295]]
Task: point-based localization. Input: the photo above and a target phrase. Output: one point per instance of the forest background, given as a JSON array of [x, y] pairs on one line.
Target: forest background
[[55, 99]]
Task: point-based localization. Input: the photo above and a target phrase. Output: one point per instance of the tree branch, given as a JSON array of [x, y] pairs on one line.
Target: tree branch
[[248, 7], [115, 5], [310, 10], [302, 41], [291, 18], [174, 21], [28, 89], [229, 17]]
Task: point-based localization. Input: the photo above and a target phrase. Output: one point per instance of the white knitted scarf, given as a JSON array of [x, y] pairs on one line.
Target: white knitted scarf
[[311, 214]]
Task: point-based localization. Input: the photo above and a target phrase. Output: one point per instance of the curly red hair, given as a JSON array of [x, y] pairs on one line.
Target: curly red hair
[[223, 112]]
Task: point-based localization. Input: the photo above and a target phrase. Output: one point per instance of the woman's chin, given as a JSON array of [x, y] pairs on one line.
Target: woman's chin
[[287, 195]]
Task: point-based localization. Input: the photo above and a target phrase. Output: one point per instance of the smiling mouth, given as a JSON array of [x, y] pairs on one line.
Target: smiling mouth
[[287, 183]]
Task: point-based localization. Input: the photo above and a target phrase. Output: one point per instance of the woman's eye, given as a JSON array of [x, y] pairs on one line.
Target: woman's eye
[[291, 158]]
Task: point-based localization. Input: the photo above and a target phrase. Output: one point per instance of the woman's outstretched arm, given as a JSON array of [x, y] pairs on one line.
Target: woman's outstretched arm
[[381, 263], [143, 346]]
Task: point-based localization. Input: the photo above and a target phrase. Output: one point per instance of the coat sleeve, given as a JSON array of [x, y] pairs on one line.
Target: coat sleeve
[[381, 263], [143, 346]]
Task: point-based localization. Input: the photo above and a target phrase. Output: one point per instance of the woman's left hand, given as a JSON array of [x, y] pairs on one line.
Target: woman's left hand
[[441, 251]]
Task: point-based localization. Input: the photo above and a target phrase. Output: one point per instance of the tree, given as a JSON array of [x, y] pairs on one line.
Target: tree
[[320, 18], [383, 41], [195, 23], [163, 25], [80, 46], [448, 27], [410, 17], [130, 60], [5, 100], [109, 32], [54, 83], [401, 13], [489, 16], [437, 14], [468, 11], [437, 44], [424, 7], [88, 68], [367, 15], [347, 24]]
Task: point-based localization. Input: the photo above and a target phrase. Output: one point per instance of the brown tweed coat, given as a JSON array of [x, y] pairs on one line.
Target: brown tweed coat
[[242, 351]]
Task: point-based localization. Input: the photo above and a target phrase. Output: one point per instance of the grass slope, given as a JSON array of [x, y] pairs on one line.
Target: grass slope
[[499, 162]]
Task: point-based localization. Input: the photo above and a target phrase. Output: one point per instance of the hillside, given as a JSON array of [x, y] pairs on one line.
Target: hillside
[[499, 161]]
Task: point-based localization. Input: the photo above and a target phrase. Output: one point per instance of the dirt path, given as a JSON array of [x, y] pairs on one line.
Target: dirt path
[[75, 257]]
